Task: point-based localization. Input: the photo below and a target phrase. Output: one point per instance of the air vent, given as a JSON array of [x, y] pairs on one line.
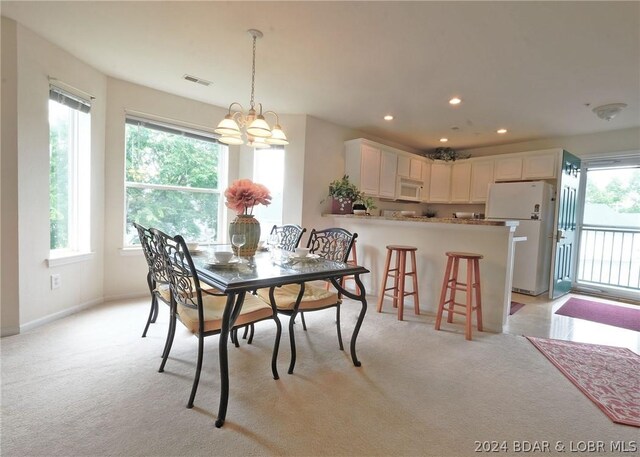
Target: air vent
[[194, 79]]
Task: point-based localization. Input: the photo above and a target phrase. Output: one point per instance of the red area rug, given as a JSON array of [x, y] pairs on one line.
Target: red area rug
[[515, 306], [608, 376], [618, 316]]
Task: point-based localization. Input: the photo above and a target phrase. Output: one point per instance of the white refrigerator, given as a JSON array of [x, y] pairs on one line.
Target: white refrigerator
[[531, 203]]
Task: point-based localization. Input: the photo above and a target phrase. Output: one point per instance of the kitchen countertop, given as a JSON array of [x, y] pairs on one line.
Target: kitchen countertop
[[423, 219]]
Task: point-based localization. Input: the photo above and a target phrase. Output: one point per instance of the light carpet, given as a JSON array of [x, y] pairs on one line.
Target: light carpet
[[87, 385], [609, 376]]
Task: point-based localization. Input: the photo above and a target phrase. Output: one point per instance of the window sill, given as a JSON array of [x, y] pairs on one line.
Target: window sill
[[131, 250], [66, 259]]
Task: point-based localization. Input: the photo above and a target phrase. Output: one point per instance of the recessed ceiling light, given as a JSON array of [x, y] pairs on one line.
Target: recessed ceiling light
[[388, 117], [455, 101], [444, 140], [502, 131]]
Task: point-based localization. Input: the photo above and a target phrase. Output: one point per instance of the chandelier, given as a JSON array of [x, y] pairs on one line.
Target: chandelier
[[256, 129]]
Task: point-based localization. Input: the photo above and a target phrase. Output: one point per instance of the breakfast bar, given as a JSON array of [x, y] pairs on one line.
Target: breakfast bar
[[494, 240]]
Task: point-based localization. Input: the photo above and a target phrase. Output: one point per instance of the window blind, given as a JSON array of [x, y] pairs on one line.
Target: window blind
[[72, 101]]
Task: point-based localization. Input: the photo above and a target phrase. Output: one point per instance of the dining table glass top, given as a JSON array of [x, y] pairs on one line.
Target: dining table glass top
[[266, 269]]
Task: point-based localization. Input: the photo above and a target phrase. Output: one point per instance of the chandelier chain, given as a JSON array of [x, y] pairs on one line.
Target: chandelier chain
[[253, 73]]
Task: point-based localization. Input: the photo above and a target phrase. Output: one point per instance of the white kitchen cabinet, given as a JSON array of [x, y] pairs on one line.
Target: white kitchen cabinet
[[426, 181], [415, 169], [362, 164], [440, 182], [508, 169], [388, 173], [541, 166], [460, 182], [481, 177], [409, 167]]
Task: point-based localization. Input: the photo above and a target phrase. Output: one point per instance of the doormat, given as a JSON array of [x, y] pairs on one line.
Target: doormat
[[609, 376], [515, 306], [618, 316]]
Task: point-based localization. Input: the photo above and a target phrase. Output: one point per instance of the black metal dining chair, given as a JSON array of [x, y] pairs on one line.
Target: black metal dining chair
[[290, 235], [156, 276], [293, 299], [200, 310]]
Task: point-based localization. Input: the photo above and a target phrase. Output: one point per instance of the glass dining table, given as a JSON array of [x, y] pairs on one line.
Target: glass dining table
[[268, 270]]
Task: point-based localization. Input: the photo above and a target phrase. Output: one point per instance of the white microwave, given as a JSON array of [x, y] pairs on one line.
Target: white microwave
[[409, 189]]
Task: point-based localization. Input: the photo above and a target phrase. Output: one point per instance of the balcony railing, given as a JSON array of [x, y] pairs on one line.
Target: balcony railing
[[610, 256]]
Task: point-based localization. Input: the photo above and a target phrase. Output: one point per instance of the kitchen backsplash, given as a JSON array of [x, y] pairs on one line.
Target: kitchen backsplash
[[441, 209]]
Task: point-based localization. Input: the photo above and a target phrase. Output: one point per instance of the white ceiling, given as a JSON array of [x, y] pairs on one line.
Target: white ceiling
[[530, 67]]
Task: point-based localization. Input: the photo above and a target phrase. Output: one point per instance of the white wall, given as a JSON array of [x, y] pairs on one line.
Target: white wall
[[603, 143], [81, 283], [9, 296]]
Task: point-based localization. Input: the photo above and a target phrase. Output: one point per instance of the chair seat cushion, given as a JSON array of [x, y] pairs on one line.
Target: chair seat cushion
[[165, 294], [253, 310], [314, 297]]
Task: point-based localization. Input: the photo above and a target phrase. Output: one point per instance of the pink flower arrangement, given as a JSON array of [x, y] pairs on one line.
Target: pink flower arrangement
[[243, 194]]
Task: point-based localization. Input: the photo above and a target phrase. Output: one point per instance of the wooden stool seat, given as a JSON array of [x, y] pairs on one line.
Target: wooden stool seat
[[399, 274], [471, 288]]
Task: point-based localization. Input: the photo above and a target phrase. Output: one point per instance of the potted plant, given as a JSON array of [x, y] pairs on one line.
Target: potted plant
[[343, 193], [364, 203], [446, 154]]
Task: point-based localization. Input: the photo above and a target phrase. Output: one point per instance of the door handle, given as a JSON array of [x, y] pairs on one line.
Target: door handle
[[560, 235]]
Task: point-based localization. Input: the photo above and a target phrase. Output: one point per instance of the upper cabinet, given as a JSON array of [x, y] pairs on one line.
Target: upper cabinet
[[508, 169], [460, 182], [426, 181], [440, 183], [372, 167], [527, 165], [410, 167], [481, 177], [380, 171], [362, 164], [388, 172], [539, 166]]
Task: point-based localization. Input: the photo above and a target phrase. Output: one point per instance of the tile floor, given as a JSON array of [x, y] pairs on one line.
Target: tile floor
[[538, 318]]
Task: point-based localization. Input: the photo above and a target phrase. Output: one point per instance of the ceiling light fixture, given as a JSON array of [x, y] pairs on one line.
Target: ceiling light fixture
[[455, 101], [501, 131], [608, 112], [444, 140], [388, 117], [256, 129]]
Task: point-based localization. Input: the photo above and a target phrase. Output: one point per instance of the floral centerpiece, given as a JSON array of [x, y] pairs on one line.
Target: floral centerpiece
[[242, 196]]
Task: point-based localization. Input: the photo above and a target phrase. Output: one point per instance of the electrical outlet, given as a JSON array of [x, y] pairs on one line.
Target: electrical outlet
[[55, 281]]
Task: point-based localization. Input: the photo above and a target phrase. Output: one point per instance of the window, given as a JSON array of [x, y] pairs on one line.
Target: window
[[69, 173], [268, 169], [174, 180]]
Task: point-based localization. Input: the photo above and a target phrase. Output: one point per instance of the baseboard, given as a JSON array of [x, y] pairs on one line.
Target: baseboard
[[108, 298], [60, 314], [9, 331]]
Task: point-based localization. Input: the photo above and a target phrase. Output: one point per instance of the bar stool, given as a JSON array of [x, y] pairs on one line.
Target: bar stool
[[451, 283], [399, 274]]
